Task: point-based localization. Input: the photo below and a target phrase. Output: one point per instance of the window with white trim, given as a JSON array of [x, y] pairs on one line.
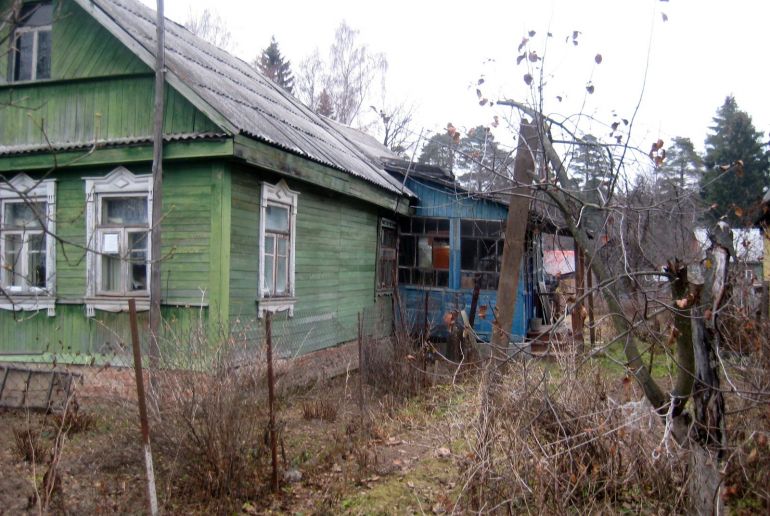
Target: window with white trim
[[30, 56], [118, 219], [277, 228], [27, 245]]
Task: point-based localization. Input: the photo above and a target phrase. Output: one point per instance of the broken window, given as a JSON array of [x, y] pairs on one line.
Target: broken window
[[481, 251], [424, 252]]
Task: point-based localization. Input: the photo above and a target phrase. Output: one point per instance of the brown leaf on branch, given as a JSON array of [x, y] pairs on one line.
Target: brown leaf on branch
[[450, 129], [480, 82], [532, 34], [523, 43], [664, 16], [533, 57], [528, 79], [598, 59], [483, 102], [478, 93], [590, 88]]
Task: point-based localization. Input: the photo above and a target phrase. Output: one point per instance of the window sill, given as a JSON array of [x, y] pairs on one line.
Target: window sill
[[29, 303], [274, 305], [114, 305]]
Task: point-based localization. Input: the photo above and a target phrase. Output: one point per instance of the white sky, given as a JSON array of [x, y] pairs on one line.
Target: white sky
[[438, 49]]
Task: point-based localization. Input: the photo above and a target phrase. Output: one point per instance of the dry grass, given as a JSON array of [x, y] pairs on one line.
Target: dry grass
[[549, 440], [320, 409], [30, 445]]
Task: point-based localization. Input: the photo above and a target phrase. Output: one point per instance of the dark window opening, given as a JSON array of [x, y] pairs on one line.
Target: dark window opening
[[423, 257], [481, 251], [31, 50]]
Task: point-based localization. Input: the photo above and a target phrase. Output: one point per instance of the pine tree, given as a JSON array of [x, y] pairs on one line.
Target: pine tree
[[682, 167], [736, 193], [483, 166], [439, 151], [590, 167], [272, 64]]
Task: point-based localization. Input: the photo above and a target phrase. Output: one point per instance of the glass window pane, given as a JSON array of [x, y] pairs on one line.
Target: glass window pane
[[12, 261], [36, 268], [277, 218], [137, 245], [43, 55], [283, 246], [124, 210], [269, 245], [267, 276], [281, 277], [110, 273], [23, 60], [24, 215]]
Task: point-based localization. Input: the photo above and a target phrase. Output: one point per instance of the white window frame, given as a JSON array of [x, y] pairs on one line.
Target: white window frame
[[18, 31], [21, 188], [278, 195], [120, 183]]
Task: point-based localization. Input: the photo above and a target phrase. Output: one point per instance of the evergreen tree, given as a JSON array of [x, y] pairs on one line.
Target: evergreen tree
[[272, 64], [682, 167], [482, 165], [590, 167], [734, 194], [439, 151]]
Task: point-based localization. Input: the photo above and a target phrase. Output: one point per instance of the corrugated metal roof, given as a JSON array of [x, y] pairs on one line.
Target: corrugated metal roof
[[6, 150], [253, 104]]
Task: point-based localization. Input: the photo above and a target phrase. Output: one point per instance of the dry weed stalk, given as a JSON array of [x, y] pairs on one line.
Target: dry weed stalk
[[209, 416], [549, 442]]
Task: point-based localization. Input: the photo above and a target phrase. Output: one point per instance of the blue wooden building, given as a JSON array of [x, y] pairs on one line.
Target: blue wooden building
[[453, 240]]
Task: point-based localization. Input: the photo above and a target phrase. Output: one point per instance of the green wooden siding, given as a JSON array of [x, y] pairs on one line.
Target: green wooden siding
[[82, 112], [336, 244], [83, 48], [244, 244], [71, 337]]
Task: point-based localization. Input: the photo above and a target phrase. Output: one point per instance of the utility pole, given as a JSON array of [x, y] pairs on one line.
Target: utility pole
[[157, 185], [515, 235]]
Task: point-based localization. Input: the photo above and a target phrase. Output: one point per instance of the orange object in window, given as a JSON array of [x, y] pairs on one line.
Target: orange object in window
[[440, 254]]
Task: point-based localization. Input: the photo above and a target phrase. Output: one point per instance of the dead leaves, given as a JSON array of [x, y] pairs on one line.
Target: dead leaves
[[657, 153]]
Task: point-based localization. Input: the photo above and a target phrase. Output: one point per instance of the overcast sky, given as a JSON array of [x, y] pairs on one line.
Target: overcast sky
[[681, 68]]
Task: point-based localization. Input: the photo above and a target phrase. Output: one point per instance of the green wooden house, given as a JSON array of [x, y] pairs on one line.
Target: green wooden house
[[266, 205]]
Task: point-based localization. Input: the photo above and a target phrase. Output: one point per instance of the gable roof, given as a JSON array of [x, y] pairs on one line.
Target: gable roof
[[233, 94]]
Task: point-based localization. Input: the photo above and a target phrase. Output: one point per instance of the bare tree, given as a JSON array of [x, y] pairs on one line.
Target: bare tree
[[348, 75], [210, 26], [393, 125]]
